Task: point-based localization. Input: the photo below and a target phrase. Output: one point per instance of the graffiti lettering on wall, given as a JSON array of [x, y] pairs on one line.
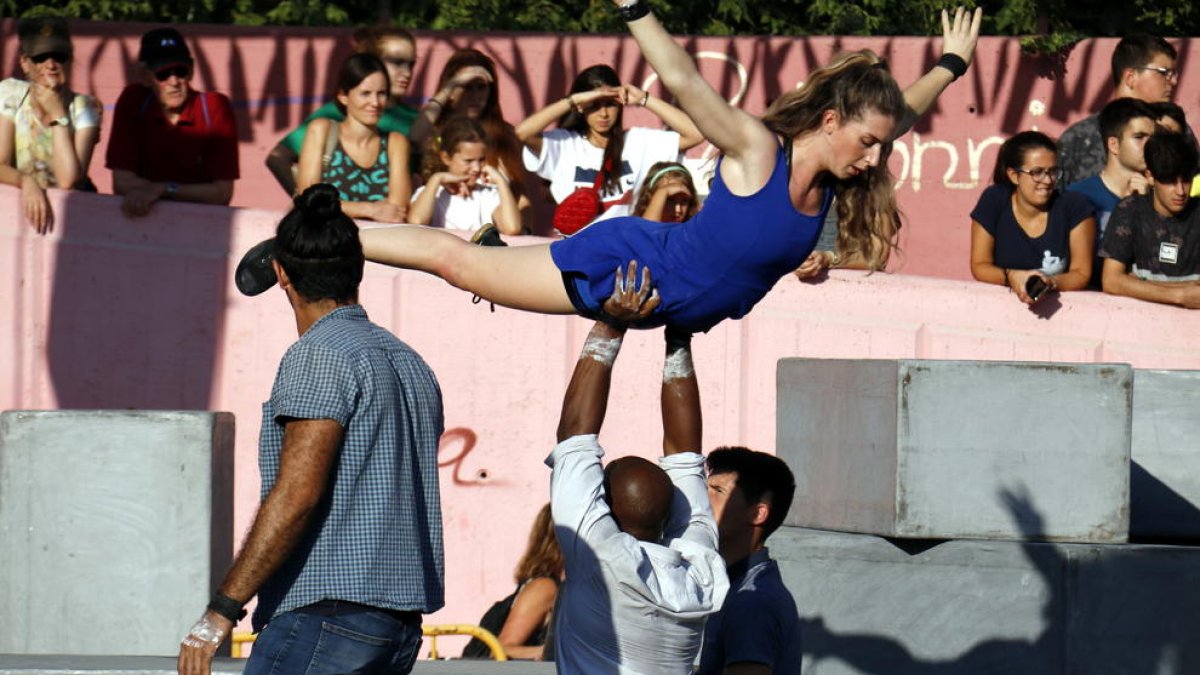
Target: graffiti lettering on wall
[[455, 445], [910, 151]]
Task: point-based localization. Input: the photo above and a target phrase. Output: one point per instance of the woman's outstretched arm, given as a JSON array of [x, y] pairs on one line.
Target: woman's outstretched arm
[[737, 134], [958, 39]]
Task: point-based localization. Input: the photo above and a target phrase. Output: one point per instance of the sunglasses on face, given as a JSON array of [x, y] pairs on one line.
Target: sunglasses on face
[[182, 72], [401, 63], [57, 57]]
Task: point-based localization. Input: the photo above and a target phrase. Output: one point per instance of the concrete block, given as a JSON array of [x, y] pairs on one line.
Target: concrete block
[[970, 607], [927, 449], [1164, 490], [114, 528]]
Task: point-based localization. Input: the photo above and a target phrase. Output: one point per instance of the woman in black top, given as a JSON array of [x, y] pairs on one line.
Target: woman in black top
[[1024, 227]]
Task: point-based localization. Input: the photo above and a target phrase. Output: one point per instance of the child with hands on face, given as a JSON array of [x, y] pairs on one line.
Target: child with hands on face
[[668, 194], [462, 191]]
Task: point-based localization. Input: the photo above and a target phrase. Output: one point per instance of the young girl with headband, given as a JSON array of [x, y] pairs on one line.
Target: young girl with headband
[[668, 195]]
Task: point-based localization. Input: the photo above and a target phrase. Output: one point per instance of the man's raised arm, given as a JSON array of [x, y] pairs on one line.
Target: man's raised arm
[[682, 424], [586, 399]]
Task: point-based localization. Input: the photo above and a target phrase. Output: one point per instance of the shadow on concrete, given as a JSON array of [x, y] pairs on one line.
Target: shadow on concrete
[[1152, 503], [1108, 609]]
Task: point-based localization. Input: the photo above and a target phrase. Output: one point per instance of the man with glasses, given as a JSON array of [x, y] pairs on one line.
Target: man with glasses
[[1143, 67], [1152, 248], [170, 141]]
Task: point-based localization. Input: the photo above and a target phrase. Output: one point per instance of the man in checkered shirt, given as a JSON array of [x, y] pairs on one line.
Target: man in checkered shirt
[[345, 553]]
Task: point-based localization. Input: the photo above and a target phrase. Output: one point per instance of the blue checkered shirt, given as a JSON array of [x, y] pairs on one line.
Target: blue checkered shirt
[[376, 538]]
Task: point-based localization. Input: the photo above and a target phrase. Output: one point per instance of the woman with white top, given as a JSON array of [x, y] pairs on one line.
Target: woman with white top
[[591, 132]]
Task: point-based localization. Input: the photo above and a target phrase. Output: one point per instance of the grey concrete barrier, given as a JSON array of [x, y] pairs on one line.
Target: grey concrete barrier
[[1164, 491], [114, 528], [925, 449], [871, 607]]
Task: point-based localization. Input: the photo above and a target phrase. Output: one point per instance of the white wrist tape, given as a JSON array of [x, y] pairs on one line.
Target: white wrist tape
[[601, 349], [678, 365]]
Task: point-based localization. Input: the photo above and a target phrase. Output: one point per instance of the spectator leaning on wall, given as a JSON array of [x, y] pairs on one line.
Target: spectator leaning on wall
[[170, 141], [1152, 246], [47, 131]]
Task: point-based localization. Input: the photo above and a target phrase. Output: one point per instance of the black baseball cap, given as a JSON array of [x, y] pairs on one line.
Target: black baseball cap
[[163, 47], [44, 35]]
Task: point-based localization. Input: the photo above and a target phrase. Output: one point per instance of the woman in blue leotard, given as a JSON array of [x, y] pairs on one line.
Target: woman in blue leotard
[[774, 184]]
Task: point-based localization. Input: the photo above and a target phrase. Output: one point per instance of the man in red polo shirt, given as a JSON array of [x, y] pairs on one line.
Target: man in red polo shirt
[[170, 141]]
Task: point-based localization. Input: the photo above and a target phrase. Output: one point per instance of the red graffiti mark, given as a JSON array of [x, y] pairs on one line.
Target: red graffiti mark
[[464, 440]]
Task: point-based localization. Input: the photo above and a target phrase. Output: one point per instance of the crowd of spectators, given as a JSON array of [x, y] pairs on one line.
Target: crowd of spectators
[[457, 163], [1110, 205]]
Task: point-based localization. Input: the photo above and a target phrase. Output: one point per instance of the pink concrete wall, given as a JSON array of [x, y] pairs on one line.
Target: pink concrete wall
[[112, 313], [276, 75]]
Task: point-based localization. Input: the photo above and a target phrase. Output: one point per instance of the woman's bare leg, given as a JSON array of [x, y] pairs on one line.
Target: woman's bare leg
[[521, 277]]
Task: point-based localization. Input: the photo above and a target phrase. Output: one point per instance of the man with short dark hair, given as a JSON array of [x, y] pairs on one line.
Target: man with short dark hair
[[170, 141], [757, 630], [1143, 67], [1152, 248], [1125, 124], [345, 552], [639, 541]]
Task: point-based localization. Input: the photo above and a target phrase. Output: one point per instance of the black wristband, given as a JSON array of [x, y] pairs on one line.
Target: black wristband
[[227, 607], [633, 12], [677, 339], [953, 63]]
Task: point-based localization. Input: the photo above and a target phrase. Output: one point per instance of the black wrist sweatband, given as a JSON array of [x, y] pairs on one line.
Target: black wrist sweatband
[[677, 339], [953, 63], [633, 12], [227, 607]]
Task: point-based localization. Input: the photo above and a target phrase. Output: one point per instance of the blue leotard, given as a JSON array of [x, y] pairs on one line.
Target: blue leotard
[[716, 266]]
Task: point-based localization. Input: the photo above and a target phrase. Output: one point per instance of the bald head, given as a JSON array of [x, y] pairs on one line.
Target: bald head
[[639, 494]]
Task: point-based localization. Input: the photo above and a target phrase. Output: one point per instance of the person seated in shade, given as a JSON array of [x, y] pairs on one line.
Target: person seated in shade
[[170, 141], [521, 621], [367, 165], [1023, 227], [47, 131], [1151, 250], [397, 49], [1126, 124]]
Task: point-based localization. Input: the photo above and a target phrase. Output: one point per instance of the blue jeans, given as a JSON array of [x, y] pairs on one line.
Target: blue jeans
[[358, 641]]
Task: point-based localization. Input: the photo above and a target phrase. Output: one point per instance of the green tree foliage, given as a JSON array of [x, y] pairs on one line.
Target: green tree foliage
[[1045, 25]]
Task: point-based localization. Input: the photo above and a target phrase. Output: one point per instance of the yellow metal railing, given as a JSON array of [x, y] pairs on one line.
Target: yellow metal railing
[[432, 632]]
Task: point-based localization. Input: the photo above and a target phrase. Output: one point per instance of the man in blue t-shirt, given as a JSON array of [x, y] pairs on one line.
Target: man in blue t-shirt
[[1152, 248], [1125, 125], [758, 627]]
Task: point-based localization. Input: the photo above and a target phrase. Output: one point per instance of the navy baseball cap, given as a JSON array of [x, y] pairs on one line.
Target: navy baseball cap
[[163, 47]]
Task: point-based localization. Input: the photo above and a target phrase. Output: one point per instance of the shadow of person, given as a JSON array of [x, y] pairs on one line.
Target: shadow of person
[[1107, 609], [137, 306]]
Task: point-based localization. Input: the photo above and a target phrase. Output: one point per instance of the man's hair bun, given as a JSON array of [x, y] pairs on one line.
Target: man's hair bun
[[319, 203]]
